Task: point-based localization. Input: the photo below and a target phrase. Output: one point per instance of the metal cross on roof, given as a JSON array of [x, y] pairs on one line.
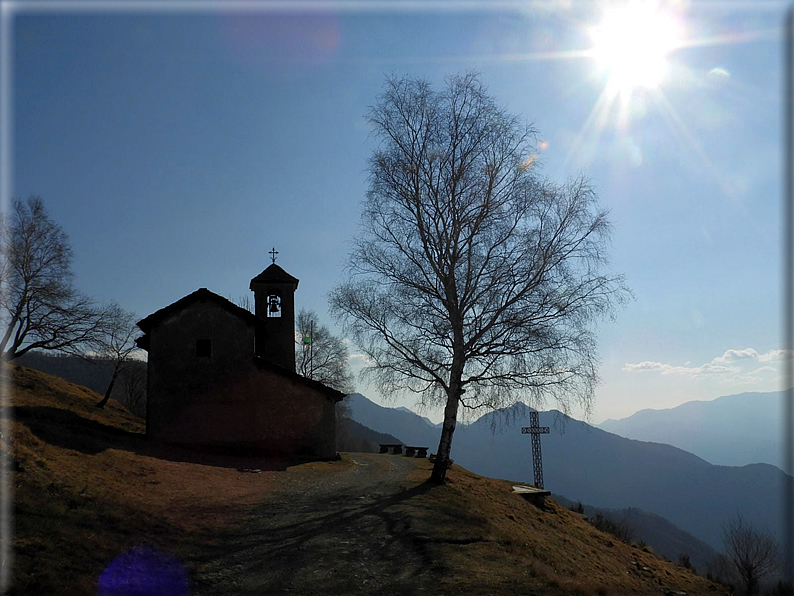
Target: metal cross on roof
[[536, 430], [273, 254]]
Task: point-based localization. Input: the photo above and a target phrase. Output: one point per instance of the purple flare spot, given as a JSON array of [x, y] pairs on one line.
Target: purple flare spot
[[144, 571]]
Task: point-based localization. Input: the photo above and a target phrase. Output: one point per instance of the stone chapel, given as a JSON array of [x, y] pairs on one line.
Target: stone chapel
[[222, 377]]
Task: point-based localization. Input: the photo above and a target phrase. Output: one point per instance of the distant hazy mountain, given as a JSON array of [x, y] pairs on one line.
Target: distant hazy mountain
[[735, 430], [430, 422], [94, 374], [400, 422], [605, 470], [354, 436]]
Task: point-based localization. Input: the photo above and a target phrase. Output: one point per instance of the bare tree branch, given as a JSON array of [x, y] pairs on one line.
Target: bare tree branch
[[754, 554], [39, 307], [116, 343], [470, 275], [320, 355]]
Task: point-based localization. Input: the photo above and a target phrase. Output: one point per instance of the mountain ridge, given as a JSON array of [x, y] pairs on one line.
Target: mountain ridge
[[732, 430], [585, 463]]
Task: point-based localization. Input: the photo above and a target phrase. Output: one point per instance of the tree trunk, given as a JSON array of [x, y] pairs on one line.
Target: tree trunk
[[445, 444], [15, 319], [109, 390], [751, 583], [454, 391]]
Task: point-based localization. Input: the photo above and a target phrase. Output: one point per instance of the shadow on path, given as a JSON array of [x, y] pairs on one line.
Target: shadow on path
[[322, 542]]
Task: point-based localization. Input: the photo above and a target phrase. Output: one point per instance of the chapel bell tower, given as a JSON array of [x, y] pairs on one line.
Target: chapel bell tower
[[274, 302]]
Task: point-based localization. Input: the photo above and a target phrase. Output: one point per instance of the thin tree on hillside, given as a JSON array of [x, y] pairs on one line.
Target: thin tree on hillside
[[39, 308], [132, 379], [473, 282], [116, 344]]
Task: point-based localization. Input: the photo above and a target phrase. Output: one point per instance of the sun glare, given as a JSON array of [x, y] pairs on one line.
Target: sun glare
[[632, 43]]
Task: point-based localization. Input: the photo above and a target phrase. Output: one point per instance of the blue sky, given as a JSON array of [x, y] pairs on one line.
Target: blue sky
[[177, 143]]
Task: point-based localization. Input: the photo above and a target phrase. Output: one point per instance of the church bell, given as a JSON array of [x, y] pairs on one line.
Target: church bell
[[273, 304]]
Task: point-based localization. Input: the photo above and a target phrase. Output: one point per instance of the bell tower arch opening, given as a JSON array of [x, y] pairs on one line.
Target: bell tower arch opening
[[273, 304]]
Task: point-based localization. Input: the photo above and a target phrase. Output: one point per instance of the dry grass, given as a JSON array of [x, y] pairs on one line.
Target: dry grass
[[91, 487], [491, 541]]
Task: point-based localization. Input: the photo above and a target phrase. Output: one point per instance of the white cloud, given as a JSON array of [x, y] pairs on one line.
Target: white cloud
[[359, 359], [775, 356], [734, 355], [669, 369], [647, 365], [729, 366]]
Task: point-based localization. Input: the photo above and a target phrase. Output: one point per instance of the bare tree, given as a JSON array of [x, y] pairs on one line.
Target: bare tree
[[38, 306], [117, 343], [754, 554], [473, 283], [132, 385], [322, 356], [243, 302]]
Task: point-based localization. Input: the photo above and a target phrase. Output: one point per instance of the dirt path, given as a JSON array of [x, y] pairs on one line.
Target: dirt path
[[340, 536]]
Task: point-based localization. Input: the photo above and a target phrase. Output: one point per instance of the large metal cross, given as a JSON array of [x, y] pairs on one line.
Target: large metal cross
[[536, 430], [273, 254]]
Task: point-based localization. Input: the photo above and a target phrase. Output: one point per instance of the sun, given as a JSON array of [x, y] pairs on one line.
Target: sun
[[631, 44]]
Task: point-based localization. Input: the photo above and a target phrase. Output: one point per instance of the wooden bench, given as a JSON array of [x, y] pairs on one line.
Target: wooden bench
[[396, 449], [416, 451]]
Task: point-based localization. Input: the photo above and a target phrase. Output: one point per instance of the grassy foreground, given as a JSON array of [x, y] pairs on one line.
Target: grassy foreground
[[89, 487]]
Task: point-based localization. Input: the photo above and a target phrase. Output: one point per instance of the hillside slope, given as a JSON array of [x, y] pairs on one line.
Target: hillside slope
[[94, 374], [94, 500], [602, 469], [666, 539]]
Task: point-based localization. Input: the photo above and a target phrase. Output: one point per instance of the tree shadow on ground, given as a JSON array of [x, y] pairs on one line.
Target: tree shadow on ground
[[287, 547], [68, 430]]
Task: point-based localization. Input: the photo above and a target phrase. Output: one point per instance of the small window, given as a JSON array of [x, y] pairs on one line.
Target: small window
[[203, 348]]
